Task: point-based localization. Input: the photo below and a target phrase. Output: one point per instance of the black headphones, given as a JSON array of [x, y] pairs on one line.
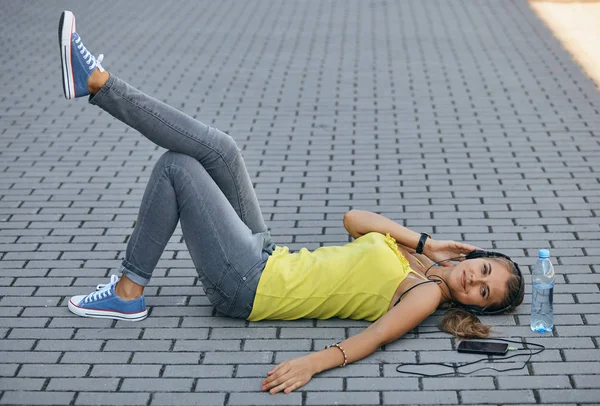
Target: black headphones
[[483, 310]]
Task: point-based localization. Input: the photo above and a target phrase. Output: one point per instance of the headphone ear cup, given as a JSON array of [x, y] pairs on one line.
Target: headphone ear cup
[[474, 309]]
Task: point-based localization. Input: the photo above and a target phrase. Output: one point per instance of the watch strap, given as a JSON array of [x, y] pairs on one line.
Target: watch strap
[[421, 244]]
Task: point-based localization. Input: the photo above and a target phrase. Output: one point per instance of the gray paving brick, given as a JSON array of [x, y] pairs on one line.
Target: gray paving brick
[[199, 371], [550, 368], [277, 345], [216, 322], [293, 332], [208, 345], [83, 384], [586, 381], [157, 384], [137, 345], [41, 370], [220, 333], [14, 291], [165, 358], [345, 398], [229, 385], [565, 395], [234, 357], [26, 357], [16, 345], [8, 369], [108, 334], [37, 398], [421, 398], [180, 399], [89, 357], [102, 398], [260, 399], [66, 345], [125, 371], [19, 322], [582, 355], [457, 383], [570, 342], [382, 384], [497, 396], [20, 384], [79, 322], [533, 382]]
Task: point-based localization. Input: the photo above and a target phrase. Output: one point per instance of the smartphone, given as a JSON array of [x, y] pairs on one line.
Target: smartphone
[[483, 347]]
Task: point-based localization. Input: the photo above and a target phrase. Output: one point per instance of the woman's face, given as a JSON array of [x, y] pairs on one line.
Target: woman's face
[[481, 282]]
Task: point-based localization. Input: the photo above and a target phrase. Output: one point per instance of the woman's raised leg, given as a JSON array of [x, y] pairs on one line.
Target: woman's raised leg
[[171, 129], [164, 125]]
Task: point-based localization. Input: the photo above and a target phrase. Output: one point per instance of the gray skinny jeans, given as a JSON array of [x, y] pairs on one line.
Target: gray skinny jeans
[[201, 181]]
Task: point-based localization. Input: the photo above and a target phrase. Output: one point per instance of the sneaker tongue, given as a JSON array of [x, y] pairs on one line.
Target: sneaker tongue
[[99, 59]]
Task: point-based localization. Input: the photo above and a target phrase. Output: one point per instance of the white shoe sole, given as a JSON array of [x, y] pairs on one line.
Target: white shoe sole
[[66, 28], [106, 314]]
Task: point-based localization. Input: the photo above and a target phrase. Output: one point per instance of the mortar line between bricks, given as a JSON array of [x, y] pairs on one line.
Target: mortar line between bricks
[[45, 384], [120, 384], [74, 399], [572, 381], [18, 370], [536, 396]]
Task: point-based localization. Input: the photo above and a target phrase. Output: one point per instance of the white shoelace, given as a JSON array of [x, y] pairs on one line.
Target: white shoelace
[[103, 290], [88, 57]]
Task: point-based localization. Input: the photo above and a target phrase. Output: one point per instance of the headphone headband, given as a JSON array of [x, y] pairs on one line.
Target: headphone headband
[[483, 310]]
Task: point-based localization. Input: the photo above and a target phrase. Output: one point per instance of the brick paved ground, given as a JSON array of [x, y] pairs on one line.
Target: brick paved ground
[[467, 120]]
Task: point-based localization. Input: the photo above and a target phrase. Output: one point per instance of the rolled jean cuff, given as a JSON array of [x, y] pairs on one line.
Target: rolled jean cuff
[[134, 274], [95, 98]]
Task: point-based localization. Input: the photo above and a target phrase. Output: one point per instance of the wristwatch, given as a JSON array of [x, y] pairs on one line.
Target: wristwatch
[[421, 244]]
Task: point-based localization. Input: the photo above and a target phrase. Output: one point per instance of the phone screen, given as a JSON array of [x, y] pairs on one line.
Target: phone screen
[[483, 347]]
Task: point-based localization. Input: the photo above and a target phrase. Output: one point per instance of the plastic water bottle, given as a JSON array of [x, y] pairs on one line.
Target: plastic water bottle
[[542, 281]]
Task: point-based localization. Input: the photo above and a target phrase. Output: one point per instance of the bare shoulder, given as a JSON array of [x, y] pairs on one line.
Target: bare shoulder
[[415, 306], [426, 292]]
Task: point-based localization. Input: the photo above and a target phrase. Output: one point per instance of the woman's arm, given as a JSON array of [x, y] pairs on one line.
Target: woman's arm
[[415, 307], [359, 222]]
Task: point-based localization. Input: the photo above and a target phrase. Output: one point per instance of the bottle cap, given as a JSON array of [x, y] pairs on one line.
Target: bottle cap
[[544, 254]]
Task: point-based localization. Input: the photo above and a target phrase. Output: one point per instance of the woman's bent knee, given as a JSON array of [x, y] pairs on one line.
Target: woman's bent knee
[[226, 145], [170, 158]]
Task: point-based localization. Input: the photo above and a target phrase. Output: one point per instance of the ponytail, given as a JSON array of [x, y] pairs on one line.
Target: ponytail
[[463, 324]]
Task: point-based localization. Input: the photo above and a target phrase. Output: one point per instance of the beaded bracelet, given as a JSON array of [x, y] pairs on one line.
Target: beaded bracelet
[[337, 345]]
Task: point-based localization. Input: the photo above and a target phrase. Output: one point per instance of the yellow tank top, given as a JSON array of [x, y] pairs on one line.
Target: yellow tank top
[[355, 281]]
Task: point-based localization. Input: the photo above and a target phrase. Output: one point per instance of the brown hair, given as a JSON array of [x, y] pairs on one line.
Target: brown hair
[[462, 323]]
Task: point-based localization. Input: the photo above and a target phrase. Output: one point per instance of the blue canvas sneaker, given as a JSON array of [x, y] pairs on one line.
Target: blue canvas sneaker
[[104, 303], [77, 62]]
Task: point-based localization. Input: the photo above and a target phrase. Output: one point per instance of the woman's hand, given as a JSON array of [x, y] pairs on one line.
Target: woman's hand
[[442, 251], [289, 375]]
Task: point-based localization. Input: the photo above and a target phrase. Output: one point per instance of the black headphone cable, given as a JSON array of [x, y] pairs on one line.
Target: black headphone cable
[[457, 365]]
